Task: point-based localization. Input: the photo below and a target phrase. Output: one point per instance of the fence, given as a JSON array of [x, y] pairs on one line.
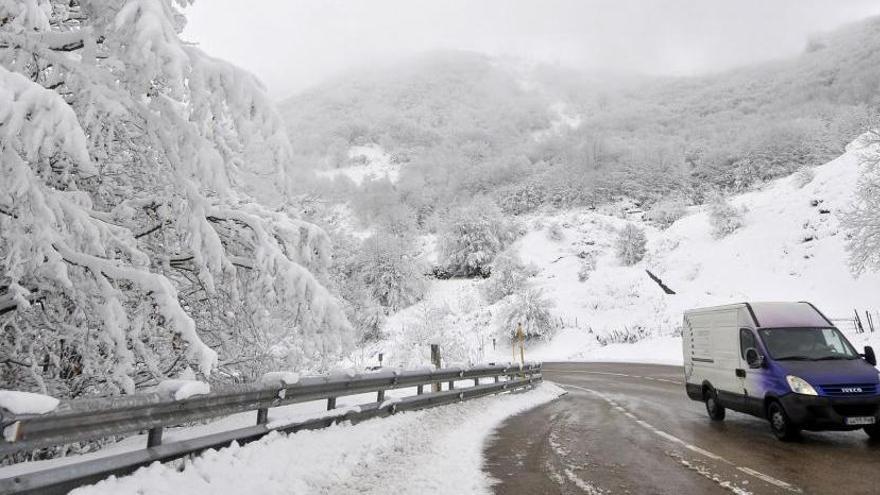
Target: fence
[[859, 322], [92, 419]]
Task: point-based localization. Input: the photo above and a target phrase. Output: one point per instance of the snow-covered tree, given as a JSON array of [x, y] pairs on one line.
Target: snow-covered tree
[[863, 221], [509, 276], [530, 309], [472, 236], [631, 244], [388, 266], [130, 242]]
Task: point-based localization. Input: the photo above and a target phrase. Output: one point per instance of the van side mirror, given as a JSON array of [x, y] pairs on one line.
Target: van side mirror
[[754, 359], [869, 356]]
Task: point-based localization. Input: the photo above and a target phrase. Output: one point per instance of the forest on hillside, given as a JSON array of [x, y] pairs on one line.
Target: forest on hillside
[[480, 142], [465, 124]]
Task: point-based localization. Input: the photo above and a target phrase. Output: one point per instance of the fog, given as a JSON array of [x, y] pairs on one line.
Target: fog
[[291, 45]]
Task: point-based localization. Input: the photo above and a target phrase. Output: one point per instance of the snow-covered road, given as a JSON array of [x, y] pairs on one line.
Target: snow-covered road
[[437, 450]]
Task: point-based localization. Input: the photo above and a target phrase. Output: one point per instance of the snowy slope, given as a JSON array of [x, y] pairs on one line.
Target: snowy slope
[[791, 248], [411, 452]]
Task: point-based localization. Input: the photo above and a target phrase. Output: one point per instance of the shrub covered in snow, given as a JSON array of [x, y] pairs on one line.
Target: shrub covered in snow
[[666, 212], [724, 218], [630, 245], [471, 237], [531, 309], [509, 276], [628, 335]]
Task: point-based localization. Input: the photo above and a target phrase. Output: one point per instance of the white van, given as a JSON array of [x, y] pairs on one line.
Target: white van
[[783, 361]]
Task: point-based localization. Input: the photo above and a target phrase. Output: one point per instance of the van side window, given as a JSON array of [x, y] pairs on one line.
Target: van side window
[[746, 340]]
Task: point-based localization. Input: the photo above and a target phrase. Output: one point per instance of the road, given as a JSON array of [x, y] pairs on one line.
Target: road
[[630, 429]]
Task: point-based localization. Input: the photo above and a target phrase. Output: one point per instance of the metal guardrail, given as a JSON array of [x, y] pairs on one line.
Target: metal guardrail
[[91, 419]]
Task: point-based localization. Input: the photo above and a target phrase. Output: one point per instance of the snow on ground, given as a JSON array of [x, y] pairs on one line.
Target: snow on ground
[[278, 415], [369, 161], [430, 451], [791, 248]]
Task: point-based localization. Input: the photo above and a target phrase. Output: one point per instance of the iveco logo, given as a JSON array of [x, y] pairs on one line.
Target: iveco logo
[[851, 390]]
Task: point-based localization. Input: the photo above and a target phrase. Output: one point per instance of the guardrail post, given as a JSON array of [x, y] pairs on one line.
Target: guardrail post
[[262, 416], [420, 390], [451, 384], [380, 396], [497, 378], [435, 359], [154, 437], [331, 403], [476, 382]]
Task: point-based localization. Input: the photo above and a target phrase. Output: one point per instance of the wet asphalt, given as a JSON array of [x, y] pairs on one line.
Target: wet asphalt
[[631, 429]]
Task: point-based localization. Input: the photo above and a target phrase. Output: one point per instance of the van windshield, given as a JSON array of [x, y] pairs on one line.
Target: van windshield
[[806, 344]]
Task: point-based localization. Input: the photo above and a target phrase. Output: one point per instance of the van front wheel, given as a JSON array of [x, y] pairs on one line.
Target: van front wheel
[[781, 424], [713, 407], [873, 431]]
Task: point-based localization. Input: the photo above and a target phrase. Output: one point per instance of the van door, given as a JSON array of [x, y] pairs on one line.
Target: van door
[[751, 380]]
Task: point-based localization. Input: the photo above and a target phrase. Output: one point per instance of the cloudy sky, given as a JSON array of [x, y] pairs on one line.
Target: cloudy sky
[[294, 44]]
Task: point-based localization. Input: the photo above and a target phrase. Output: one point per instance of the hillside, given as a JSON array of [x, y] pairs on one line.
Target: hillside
[[465, 124], [423, 103], [790, 247]]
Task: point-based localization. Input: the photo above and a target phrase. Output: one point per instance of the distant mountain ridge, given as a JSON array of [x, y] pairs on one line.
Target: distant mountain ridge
[[640, 138]]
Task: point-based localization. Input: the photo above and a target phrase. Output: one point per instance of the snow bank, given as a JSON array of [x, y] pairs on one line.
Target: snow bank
[[182, 389], [412, 452], [26, 402]]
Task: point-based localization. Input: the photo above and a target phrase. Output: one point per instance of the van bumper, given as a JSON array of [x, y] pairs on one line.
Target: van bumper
[[829, 413]]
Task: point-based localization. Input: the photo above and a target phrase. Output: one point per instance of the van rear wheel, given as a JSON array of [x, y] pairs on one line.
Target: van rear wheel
[[713, 407], [781, 424]]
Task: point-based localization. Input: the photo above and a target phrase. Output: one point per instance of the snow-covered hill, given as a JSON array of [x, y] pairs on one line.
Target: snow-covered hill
[[790, 248]]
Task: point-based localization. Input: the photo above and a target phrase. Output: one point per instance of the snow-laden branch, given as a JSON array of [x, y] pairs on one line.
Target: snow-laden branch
[[125, 202], [160, 290], [37, 123]]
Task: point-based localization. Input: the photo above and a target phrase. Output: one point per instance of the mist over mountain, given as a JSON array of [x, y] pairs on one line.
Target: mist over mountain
[[469, 124]]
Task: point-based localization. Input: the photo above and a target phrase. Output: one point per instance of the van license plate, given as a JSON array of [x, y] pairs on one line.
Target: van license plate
[[861, 420]]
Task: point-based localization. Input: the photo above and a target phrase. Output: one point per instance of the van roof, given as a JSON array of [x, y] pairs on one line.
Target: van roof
[[777, 314]]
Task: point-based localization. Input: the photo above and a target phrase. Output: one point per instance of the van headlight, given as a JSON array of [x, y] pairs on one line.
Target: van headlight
[[800, 386]]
